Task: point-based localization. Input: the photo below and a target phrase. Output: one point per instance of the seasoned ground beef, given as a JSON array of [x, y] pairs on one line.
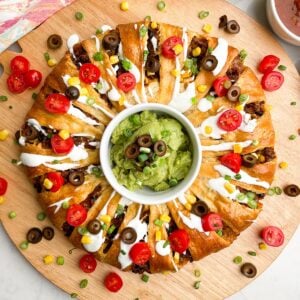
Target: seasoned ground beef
[[268, 153], [198, 42], [256, 109], [67, 229], [92, 197], [235, 69], [81, 56], [140, 269]]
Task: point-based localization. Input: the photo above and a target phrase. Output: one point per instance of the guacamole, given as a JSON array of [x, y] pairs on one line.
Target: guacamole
[[150, 150]]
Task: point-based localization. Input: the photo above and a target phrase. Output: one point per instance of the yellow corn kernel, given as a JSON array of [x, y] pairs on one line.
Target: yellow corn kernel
[[84, 92], [48, 184], [176, 257], [4, 134], [188, 206], [283, 165], [239, 107], [207, 28], [175, 72], [262, 246], [178, 49], [64, 134], [124, 5], [105, 218], [237, 148], [201, 88], [2, 200], [48, 259], [154, 25], [186, 74], [191, 199], [196, 51], [165, 272], [165, 218], [150, 73], [208, 129], [157, 235], [122, 100], [52, 62], [229, 187], [268, 107], [114, 59], [86, 240], [74, 81]]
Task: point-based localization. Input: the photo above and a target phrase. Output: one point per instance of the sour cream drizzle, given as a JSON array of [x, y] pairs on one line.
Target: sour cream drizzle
[[72, 40], [161, 250], [59, 204], [185, 43], [226, 146], [221, 53], [73, 111], [204, 105]]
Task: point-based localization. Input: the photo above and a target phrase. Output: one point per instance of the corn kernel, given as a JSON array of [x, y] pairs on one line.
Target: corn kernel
[[269, 107], [4, 134], [175, 72], [64, 134], [2, 200], [191, 199], [114, 59], [165, 272], [48, 184], [124, 5], [207, 28], [201, 88], [157, 235], [122, 100], [262, 246], [84, 92], [237, 148], [48, 259], [208, 129], [239, 107], [283, 165], [154, 25], [176, 257], [52, 62], [74, 81], [186, 74], [165, 218], [178, 49], [86, 240], [229, 187], [188, 206], [105, 218], [196, 51]]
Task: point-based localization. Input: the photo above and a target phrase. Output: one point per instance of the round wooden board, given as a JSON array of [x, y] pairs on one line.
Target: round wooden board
[[220, 277]]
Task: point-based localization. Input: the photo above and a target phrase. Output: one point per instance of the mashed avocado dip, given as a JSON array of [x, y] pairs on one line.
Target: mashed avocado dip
[[150, 150]]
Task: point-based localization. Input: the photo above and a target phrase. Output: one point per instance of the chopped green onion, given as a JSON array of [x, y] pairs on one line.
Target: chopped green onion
[[111, 229], [143, 30], [252, 203], [194, 100], [243, 98], [90, 101], [293, 103], [191, 64], [126, 64], [41, 216], [60, 260], [270, 192], [219, 232], [203, 14], [173, 182], [98, 56], [46, 56], [145, 54], [250, 195], [14, 161], [49, 136], [243, 54], [210, 98], [34, 96], [197, 273], [210, 50], [145, 150], [97, 172], [197, 284], [83, 283], [237, 176], [282, 67], [12, 214], [79, 16], [147, 170], [120, 209], [3, 98], [166, 243], [161, 5], [292, 137], [255, 142], [145, 278], [123, 252], [103, 226], [237, 260], [99, 31], [227, 177], [82, 230], [99, 86], [241, 196], [148, 18], [74, 295], [252, 253], [158, 222], [65, 205], [188, 63], [24, 245], [142, 157], [277, 190]]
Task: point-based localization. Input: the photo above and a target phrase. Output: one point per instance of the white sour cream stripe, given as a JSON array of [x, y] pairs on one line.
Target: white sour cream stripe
[[226, 146], [204, 105], [162, 249], [59, 204], [217, 184], [221, 53], [72, 40]]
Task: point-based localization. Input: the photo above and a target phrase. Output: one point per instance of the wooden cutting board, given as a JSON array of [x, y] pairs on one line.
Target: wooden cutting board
[[220, 276]]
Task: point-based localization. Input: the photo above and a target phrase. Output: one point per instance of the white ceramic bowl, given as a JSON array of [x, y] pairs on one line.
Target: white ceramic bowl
[[278, 26], [146, 195]]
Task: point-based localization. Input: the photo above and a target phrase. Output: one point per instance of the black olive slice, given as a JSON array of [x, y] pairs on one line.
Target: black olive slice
[[111, 40], [292, 190], [48, 233], [34, 235], [152, 64], [94, 226], [132, 151], [234, 93], [209, 63], [223, 21], [72, 93], [128, 235], [54, 41], [249, 270], [233, 27], [76, 178], [200, 208], [249, 160], [29, 132], [144, 140], [160, 148]]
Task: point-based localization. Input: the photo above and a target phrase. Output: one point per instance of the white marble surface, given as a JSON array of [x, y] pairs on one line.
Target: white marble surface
[[18, 280]]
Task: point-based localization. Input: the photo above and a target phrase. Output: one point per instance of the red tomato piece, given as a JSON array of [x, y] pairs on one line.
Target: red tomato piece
[[16, 83], [57, 104], [268, 63], [89, 73], [113, 282], [140, 253], [272, 81], [179, 240], [88, 263], [61, 146], [76, 215], [126, 82], [273, 236], [218, 85], [3, 186], [230, 120], [19, 64], [211, 222], [233, 161], [168, 45], [57, 180], [33, 78]]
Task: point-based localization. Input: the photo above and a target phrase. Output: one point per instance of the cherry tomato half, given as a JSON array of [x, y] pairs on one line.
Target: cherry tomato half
[[57, 104], [16, 83], [230, 120], [273, 236], [3, 186], [179, 240], [272, 81], [88, 263], [113, 282], [33, 78], [140, 253], [61, 146], [76, 215], [126, 82], [19, 64], [57, 180], [89, 73], [211, 222], [168, 45], [268, 63], [233, 161], [218, 85]]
